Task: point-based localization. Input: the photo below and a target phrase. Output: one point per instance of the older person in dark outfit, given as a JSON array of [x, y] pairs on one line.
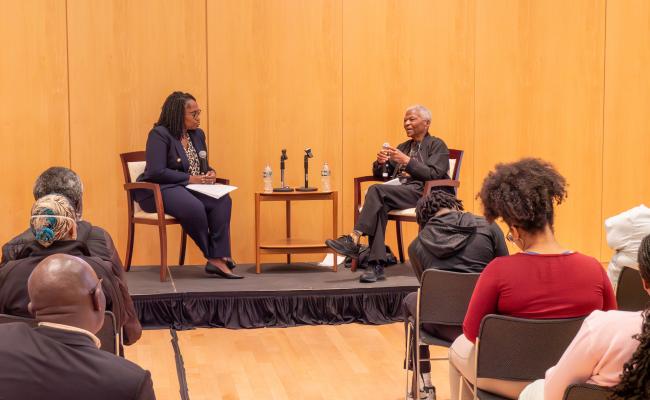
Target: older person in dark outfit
[[61, 359], [450, 239], [421, 158], [54, 227], [172, 161], [96, 241]]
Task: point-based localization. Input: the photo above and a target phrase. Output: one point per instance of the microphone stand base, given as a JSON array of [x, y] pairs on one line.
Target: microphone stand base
[[283, 189], [306, 189]]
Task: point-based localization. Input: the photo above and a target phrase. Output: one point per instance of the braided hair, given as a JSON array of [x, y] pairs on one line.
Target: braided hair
[[635, 380], [428, 206], [523, 194], [172, 114]]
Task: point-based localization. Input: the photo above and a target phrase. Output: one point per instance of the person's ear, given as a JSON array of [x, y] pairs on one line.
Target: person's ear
[[29, 308], [73, 232]]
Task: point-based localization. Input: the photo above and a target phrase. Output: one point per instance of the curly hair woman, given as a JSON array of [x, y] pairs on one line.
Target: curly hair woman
[[545, 280]]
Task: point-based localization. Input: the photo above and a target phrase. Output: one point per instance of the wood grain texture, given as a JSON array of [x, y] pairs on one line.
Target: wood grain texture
[[539, 93], [274, 82], [396, 54], [126, 57], [33, 103], [626, 165]]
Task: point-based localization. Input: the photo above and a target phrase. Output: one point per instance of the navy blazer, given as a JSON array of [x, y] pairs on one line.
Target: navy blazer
[[167, 163]]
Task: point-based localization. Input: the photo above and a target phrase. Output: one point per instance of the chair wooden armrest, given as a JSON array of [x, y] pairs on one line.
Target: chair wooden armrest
[[357, 191], [157, 196], [428, 185], [222, 181]]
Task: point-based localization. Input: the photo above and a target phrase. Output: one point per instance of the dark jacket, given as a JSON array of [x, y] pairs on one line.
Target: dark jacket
[[99, 244], [13, 284], [167, 163], [434, 165], [48, 363], [457, 241]]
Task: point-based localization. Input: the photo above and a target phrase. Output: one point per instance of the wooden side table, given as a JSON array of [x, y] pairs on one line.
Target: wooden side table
[[289, 245]]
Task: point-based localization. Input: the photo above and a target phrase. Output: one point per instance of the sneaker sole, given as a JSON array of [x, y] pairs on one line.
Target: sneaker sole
[[335, 246]]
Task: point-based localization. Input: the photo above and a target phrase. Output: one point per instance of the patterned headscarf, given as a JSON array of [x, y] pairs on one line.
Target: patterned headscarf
[[52, 218]]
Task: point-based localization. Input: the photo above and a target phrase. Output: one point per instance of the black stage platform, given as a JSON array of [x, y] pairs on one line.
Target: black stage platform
[[283, 295]]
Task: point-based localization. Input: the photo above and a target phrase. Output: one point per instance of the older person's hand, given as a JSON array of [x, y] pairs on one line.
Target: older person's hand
[[397, 156]]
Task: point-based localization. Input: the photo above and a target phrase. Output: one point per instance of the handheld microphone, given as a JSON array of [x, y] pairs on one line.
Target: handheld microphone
[[384, 172], [203, 162]]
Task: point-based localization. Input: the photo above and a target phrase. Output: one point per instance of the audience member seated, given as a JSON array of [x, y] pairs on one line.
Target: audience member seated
[[605, 343], [624, 234], [60, 359], [452, 240], [54, 226], [64, 181], [546, 280]]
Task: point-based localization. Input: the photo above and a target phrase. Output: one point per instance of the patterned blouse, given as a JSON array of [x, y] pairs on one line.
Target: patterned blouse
[[192, 156]]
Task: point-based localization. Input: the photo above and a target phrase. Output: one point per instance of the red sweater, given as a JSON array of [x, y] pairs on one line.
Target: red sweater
[[539, 286]]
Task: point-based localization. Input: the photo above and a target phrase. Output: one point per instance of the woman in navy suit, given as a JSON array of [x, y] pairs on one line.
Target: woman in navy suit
[[173, 162]]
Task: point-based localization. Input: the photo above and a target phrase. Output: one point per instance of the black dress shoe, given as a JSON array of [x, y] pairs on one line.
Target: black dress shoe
[[374, 273], [230, 263], [211, 269], [344, 245]]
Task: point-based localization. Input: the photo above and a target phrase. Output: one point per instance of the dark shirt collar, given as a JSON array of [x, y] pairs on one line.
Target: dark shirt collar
[[71, 247]]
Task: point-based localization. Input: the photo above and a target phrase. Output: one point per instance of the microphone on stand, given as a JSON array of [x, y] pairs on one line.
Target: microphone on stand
[[283, 187], [384, 172], [308, 155], [203, 162]]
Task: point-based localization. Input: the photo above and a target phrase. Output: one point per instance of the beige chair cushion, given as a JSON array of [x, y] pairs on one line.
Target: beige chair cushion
[[135, 169], [409, 212]]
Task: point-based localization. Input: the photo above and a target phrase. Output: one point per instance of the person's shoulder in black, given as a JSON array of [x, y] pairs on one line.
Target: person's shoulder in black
[[457, 241], [58, 364]]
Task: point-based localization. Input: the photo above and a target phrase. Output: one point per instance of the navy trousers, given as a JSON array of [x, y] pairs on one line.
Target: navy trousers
[[373, 217], [204, 218]]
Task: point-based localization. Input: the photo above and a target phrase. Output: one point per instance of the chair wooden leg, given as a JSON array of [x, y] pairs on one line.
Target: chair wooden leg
[[353, 264], [162, 230], [400, 250], [181, 258], [129, 246]]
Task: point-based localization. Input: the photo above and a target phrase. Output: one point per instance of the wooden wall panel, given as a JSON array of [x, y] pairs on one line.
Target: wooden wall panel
[[274, 82], [626, 164], [399, 53], [33, 103], [539, 93], [125, 58]]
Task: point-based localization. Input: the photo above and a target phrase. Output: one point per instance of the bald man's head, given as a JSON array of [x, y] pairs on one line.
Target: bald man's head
[[64, 289]]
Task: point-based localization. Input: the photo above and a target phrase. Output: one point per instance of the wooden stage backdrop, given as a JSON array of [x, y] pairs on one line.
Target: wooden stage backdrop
[[83, 80]]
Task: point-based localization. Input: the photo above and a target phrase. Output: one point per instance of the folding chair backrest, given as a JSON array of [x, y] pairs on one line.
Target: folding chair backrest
[[108, 334], [6, 318], [520, 349], [630, 294], [445, 295], [585, 391]]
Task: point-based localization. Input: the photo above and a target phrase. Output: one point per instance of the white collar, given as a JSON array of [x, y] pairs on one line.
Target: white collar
[[69, 328]]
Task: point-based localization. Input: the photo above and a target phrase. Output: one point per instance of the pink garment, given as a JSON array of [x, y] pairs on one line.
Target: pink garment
[[597, 353]]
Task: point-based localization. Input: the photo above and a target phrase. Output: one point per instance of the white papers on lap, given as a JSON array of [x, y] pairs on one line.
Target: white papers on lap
[[394, 182], [216, 191]]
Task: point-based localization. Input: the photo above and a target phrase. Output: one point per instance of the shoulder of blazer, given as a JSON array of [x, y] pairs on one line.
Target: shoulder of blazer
[[199, 132], [162, 133]]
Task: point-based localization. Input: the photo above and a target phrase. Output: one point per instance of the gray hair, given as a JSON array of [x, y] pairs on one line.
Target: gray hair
[[61, 180], [421, 110]]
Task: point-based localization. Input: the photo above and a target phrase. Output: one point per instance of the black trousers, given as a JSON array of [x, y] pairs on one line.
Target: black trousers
[[373, 218], [445, 332], [204, 218]]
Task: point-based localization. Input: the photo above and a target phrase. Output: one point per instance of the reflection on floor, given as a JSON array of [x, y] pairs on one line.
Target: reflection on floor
[[350, 361]]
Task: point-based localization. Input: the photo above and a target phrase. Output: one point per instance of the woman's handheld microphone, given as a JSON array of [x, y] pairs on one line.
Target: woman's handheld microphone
[[203, 162]]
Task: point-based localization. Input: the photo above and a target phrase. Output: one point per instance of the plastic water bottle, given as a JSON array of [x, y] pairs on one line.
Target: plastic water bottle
[[268, 179], [325, 178]]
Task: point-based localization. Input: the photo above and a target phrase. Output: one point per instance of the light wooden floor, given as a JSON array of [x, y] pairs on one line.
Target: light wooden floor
[[312, 362]]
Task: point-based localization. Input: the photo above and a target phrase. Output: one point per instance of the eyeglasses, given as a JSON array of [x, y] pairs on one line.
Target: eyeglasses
[[195, 114]]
